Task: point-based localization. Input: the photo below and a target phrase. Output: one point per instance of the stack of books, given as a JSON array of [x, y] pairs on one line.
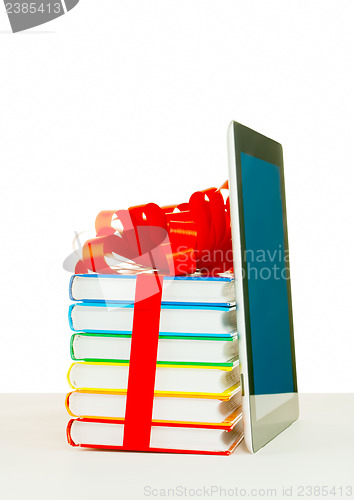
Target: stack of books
[[197, 395]]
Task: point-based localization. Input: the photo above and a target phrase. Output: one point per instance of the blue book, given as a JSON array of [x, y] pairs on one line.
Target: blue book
[[181, 319], [200, 290]]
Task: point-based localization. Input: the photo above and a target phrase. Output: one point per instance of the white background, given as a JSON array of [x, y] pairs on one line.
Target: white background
[[121, 102]]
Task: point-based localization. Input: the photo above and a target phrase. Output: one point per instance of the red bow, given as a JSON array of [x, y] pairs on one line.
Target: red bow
[[174, 240]]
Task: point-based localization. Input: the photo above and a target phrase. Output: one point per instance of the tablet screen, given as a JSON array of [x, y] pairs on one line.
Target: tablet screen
[[267, 273]]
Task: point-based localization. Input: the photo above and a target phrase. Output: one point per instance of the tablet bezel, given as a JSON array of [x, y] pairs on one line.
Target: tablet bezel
[[245, 140]]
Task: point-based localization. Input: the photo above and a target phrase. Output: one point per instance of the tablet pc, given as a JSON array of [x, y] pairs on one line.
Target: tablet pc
[[262, 281]]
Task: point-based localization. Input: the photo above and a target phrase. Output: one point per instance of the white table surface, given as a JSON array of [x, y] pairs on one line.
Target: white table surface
[[37, 463]]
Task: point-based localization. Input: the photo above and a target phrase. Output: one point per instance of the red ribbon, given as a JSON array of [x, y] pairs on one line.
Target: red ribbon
[[174, 240], [142, 363]]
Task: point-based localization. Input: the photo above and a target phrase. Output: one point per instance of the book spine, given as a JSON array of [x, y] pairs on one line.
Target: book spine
[[72, 354], [71, 287], [67, 404], [71, 307]]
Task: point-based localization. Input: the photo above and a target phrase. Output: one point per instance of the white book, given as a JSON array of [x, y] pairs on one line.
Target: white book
[[181, 289], [181, 409], [187, 320], [169, 378], [110, 347]]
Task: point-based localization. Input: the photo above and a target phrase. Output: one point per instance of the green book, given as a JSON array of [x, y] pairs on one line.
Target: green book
[[172, 349]]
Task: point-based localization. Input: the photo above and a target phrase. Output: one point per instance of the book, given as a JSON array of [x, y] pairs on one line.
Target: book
[[171, 349], [121, 288], [175, 438], [180, 319], [170, 379], [112, 405]]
